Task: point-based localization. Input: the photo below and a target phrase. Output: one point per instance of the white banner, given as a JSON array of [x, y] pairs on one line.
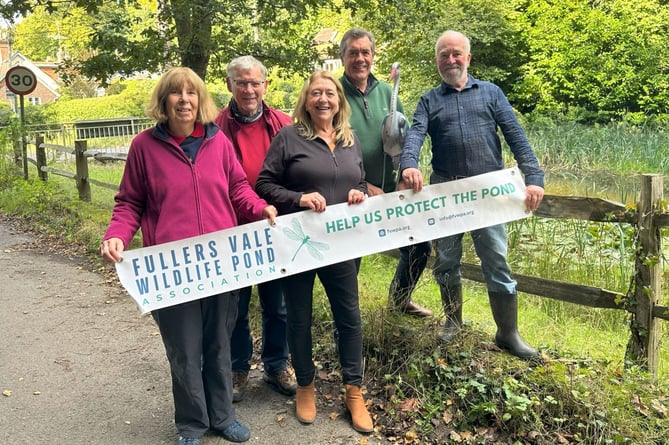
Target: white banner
[[172, 273]]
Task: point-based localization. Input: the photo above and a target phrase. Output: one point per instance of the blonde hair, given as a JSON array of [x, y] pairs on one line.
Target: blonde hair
[[340, 123], [176, 78]]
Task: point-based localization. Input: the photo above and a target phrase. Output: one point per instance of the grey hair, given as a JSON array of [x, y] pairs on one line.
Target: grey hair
[[355, 34], [245, 63], [468, 43]]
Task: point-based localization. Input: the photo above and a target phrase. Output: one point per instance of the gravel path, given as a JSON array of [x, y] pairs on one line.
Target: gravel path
[[79, 365]]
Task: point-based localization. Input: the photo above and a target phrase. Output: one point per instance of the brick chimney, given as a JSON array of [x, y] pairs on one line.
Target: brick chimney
[[5, 48]]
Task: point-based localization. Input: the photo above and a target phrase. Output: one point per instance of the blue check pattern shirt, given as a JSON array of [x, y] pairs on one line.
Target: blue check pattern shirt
[[463, 126]]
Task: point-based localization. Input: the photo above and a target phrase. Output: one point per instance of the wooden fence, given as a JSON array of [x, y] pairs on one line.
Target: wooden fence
[[642, 302], [81, 155]]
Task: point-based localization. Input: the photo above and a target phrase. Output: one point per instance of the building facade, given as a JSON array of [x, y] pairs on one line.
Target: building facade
[[45, 73]]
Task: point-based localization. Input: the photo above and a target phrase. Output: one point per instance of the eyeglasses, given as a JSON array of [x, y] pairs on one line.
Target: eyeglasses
[[245, 83]]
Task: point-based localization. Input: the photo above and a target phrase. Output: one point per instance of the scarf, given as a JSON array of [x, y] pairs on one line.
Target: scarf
[[243, 118]]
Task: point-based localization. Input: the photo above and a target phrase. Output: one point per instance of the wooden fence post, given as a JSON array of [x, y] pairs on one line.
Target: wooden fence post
[[40, 156], [643, 346], [83, 185]]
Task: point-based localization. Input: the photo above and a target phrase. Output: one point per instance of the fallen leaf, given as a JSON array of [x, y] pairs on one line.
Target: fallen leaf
[[334, 416], [562, 439], [410, 436], [447, 417], [455, 437], [659, 408], [408, 405], [639, 406]]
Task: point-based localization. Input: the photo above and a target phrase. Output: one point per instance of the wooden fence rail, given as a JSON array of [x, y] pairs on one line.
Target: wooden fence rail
[[81, 156], [642, 301]]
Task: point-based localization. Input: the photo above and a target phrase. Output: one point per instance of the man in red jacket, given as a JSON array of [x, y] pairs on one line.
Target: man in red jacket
[[251, 124]]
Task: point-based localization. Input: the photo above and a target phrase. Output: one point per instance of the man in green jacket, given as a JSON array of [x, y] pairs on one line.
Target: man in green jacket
[[369, 100]]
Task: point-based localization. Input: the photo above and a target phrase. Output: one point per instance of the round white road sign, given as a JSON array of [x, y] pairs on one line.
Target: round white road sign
[[20, 80]]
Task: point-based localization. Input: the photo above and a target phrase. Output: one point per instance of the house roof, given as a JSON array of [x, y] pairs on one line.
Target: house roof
[[326, 35]]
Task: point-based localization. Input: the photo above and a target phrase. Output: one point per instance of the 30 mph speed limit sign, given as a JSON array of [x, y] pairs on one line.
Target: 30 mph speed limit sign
[[20, 80]]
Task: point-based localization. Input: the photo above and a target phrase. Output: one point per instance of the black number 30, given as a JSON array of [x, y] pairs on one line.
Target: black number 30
[[17, 80]]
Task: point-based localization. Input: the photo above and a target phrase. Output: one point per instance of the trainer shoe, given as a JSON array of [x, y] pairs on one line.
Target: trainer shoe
[[240, 381], [235, 432], [283, 381], [189, 441]]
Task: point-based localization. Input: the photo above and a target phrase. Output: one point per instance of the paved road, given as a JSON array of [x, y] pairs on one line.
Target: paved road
[[79, 365]]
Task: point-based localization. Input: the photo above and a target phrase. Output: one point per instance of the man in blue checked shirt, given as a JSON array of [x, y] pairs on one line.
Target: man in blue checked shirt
[[462, 117]]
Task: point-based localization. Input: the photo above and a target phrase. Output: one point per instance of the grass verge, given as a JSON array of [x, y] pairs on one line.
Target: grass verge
[[422, 392]]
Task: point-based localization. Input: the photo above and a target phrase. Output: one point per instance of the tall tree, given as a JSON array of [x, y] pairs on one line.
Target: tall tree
[[408, 30], [127, 37]]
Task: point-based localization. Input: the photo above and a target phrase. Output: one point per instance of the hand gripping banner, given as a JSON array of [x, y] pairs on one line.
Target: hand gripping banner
[[180, 271]]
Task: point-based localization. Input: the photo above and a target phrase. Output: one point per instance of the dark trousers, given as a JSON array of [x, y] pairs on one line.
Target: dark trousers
[[341, 286], [274, 351], [196, 336], [411, 264]]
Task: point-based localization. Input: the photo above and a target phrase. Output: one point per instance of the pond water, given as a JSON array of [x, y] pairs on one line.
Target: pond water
[[615, 187]]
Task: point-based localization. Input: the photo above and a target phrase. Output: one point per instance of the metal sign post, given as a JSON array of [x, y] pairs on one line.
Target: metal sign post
[[20, 80]]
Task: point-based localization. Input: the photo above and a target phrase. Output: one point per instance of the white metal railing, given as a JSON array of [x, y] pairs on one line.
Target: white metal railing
[[110, 135]]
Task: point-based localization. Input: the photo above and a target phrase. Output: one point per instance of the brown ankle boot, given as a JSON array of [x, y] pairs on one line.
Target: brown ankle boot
[[362, 421], [305, 403]]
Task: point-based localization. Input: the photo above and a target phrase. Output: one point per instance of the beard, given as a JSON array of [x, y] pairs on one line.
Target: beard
[[452, 75]]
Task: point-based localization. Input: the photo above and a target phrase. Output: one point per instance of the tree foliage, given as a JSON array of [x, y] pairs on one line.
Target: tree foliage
[[407, 31], [589, 59], [606, 58], [47, 35], [130, 36]]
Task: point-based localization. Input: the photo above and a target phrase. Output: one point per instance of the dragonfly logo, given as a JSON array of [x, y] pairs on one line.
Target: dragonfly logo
[[297, 234]]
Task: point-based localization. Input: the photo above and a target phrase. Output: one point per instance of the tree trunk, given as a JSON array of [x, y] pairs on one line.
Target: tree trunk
[[192, 19]]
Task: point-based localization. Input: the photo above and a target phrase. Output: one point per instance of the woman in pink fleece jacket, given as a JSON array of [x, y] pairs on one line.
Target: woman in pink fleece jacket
[[182, 179]]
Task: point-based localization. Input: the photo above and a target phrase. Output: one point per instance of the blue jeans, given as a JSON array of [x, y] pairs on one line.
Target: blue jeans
[[491, 247], [274, 353]]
